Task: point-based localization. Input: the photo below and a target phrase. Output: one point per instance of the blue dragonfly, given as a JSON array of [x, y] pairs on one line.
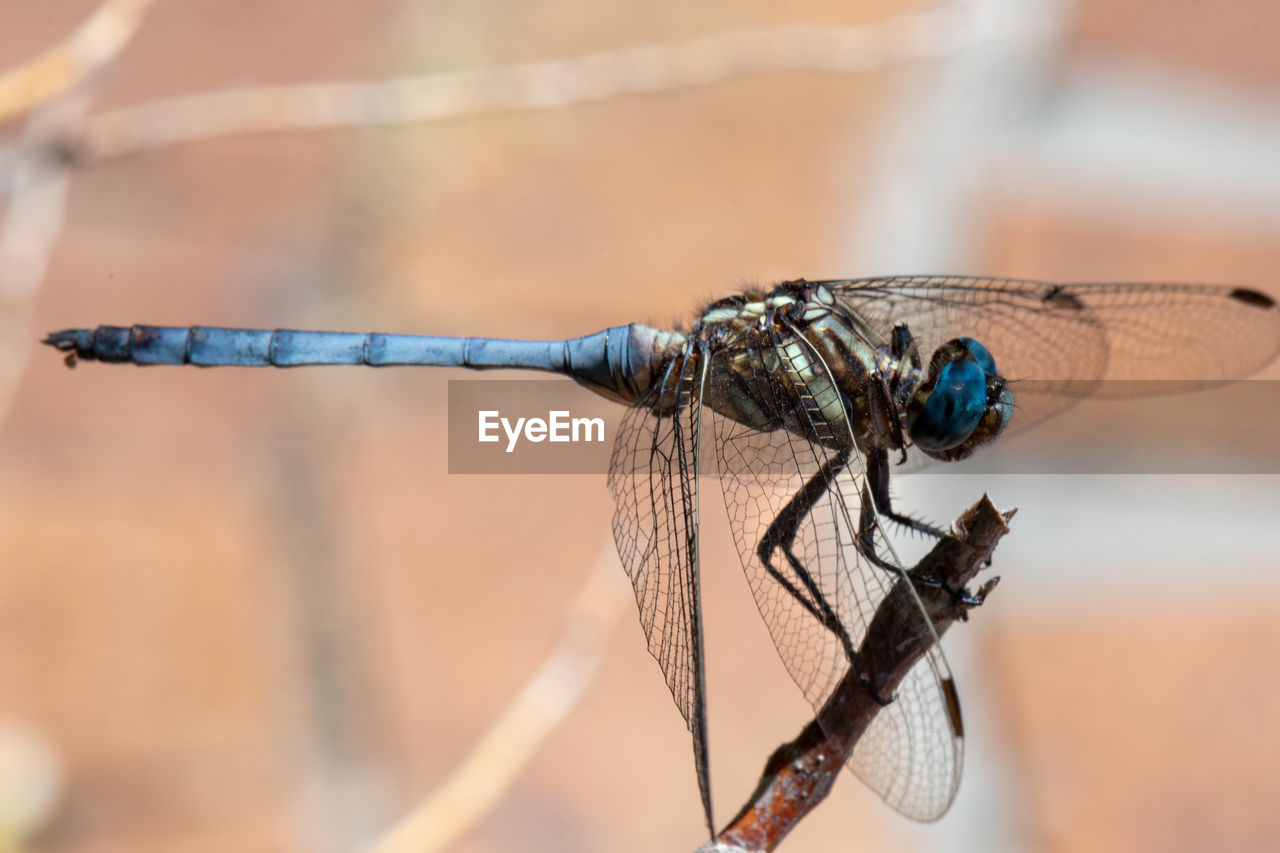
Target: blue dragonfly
[[815, 392]]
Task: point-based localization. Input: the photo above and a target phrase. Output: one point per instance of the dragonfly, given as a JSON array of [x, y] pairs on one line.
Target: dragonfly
[[815, 392]]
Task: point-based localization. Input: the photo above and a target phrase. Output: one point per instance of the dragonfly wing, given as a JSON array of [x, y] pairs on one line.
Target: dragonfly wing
[[912, 754], [653, 477], [1059, 343], [817, 593], [1186, 333]]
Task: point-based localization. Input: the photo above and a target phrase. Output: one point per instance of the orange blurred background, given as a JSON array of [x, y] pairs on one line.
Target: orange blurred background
[[250, 610]]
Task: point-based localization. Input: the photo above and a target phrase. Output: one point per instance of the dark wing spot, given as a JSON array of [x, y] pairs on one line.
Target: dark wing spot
[[1060, 298], [953, 706], [1253, 297]]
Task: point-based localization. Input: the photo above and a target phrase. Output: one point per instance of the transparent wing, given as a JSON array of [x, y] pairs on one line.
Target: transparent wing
[[1058, 343], [794, 508], [653, 477]]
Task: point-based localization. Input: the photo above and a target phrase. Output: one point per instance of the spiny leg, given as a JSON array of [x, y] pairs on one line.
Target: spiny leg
[[878, 483], [781, 536], [875, 498]]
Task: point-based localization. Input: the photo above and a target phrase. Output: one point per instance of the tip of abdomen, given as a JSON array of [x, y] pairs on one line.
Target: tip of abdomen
[[76, 343], [68, 339]]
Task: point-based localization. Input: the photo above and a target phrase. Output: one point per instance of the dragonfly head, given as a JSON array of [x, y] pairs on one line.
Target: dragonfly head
[[962, 404]]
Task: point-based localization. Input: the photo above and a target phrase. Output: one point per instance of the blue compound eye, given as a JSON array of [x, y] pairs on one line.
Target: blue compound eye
[[980, 355], [954, 408]]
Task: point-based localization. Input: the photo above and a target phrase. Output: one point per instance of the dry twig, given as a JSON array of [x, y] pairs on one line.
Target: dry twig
[[55, 89], [799, 774], [535, 85], [57, 71], [543, 703]]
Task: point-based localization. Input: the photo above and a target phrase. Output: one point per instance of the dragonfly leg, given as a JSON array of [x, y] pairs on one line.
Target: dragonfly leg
[[903, 346], [895, 420], [878, 481], [968, 601], [906, 354], [781, 536], [875, 498]]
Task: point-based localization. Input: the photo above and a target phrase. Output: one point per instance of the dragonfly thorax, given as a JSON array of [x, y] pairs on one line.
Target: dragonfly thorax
[[798, 358]]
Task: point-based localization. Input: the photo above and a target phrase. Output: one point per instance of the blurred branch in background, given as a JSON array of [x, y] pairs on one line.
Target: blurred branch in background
[[547, 698], [536, 85], [97, 42], [30, 785], [55, 88]]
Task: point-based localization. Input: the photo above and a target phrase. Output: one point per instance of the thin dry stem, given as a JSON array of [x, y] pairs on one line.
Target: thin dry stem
[[56, 89], [535, 85], [543, 703], [799, 774], [57, 71]]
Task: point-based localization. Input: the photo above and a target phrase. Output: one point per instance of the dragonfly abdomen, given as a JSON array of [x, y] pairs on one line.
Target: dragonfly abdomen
[[618, 362], [208, 346]]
